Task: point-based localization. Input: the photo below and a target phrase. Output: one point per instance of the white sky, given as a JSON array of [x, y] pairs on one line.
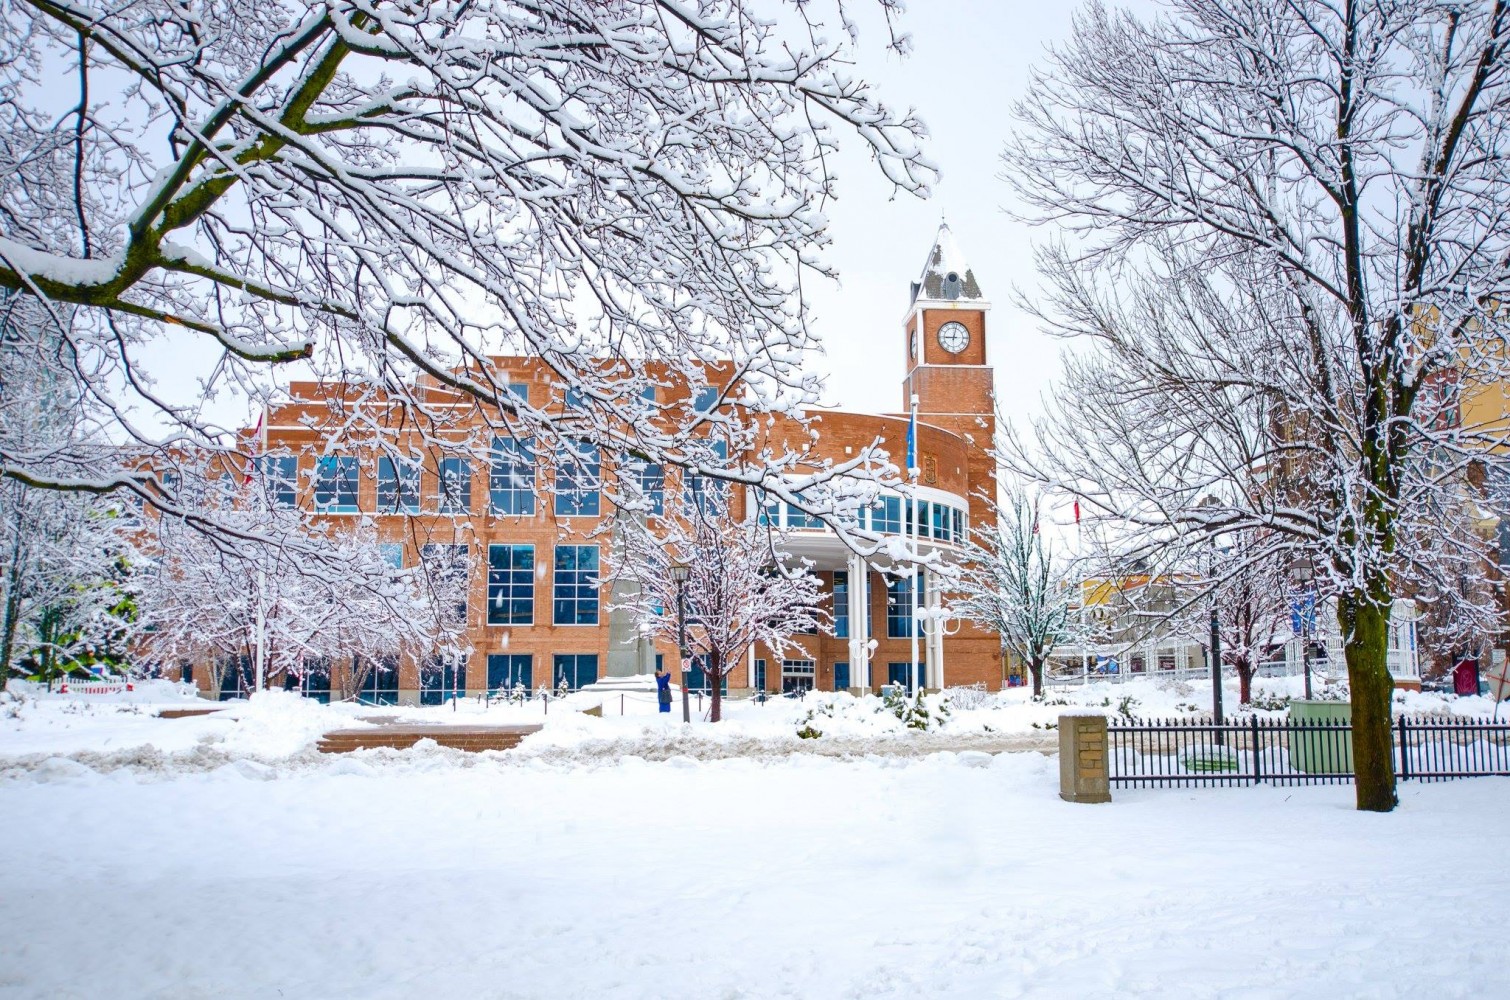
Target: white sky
[[969, 64]]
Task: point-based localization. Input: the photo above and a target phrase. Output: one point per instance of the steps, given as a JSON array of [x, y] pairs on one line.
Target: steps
[[472, 739], [186, 713]]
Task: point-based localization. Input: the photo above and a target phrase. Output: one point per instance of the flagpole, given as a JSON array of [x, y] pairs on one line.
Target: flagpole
[[912, 472]]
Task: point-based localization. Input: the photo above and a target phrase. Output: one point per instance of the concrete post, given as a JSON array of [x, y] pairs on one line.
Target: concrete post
[[1083, 760]]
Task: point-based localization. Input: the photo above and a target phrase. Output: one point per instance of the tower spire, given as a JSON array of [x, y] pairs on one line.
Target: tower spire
[[946, 273]]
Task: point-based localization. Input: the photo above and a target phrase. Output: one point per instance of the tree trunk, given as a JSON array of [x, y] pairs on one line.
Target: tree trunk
[[1036, 669], [1365, 627], [12, 613], [1245, 674], [715, 683]]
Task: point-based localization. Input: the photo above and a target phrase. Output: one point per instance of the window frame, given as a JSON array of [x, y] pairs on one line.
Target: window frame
[[509, 590], [576, 598], [579, 480], [402, 481], [343, 470], [444, 502], [507, 458]]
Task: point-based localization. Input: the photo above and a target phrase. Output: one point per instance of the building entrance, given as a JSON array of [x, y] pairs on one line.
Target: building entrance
[[797, 675]]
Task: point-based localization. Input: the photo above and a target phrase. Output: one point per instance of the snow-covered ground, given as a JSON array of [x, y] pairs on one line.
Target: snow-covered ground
[[111, 730], [222, 857]]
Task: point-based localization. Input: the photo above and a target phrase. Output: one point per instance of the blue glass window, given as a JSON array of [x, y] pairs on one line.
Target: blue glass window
[[941, 523], [442, 679], [511, 585], [336, 484], [574, 400], [705, 488], [800, 519], [899, 606], [520, 391], [511, 476], [578, 479], [841, 676], [959, 526], [886, 515], [507, 671], [280, 480], [652, 482], [455, 486], [575, 670], [447, 565], [760, 675], [397, 487], [574, 597], [705, 399], [901, 674], [380, 685], [393, 554]]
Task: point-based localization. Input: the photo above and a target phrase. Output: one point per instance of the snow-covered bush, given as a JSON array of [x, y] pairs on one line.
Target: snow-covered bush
[[968, 698]]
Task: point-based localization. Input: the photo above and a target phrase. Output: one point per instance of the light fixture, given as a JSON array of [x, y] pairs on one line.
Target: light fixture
[[680, 572]]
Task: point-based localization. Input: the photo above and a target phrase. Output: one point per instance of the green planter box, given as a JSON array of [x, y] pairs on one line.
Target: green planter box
[[1322, 751]]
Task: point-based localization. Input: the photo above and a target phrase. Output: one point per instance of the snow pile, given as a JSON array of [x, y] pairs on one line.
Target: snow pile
[[280, 728]]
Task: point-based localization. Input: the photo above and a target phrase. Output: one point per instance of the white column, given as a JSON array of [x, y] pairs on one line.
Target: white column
[[859, 598], [750, 669], [859, 637]]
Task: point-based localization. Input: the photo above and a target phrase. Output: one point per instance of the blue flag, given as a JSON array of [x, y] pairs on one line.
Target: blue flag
[[912, 440]]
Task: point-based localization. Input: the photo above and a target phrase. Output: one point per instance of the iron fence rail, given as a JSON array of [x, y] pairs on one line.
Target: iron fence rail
[[1250, 750]]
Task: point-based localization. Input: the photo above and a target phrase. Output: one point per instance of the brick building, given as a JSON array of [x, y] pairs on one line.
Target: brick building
[[532, 529]]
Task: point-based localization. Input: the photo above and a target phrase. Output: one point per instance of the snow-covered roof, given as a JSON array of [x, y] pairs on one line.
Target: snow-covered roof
[[946, 273]]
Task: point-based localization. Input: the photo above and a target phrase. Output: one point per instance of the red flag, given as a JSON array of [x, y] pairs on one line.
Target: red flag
[[1077, 511], [251, 460]]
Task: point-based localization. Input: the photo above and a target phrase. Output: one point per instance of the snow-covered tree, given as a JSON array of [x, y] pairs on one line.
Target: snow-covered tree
[[328, 595], [1012, 583], [741, 589], [1290, 242], [386, 194], [69, 582], [1253, 593], [67, 561]]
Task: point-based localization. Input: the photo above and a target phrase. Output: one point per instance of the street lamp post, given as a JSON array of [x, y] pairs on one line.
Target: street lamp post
[[1305, 614], [1216, 668], [679, 574]]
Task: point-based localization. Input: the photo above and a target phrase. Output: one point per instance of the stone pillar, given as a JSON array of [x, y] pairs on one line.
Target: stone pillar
[[1083, 760], [859, 601], [629, 653]]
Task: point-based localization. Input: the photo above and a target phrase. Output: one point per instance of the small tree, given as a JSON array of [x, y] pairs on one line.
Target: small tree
[[741, 589], [1250, 585], [1012, 583], [69, 584], [314, 594]]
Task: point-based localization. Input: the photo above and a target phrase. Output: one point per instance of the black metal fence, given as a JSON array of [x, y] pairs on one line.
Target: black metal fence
[[1245, 751]]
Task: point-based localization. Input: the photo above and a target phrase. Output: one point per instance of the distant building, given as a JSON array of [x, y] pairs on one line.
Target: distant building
[[531, 528], [1133, 629]]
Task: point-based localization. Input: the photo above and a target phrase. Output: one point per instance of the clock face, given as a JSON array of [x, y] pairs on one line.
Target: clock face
[[953, 337]]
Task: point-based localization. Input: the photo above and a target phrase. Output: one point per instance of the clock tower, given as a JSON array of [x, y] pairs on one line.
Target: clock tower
[[944, 340], [944, 337]]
